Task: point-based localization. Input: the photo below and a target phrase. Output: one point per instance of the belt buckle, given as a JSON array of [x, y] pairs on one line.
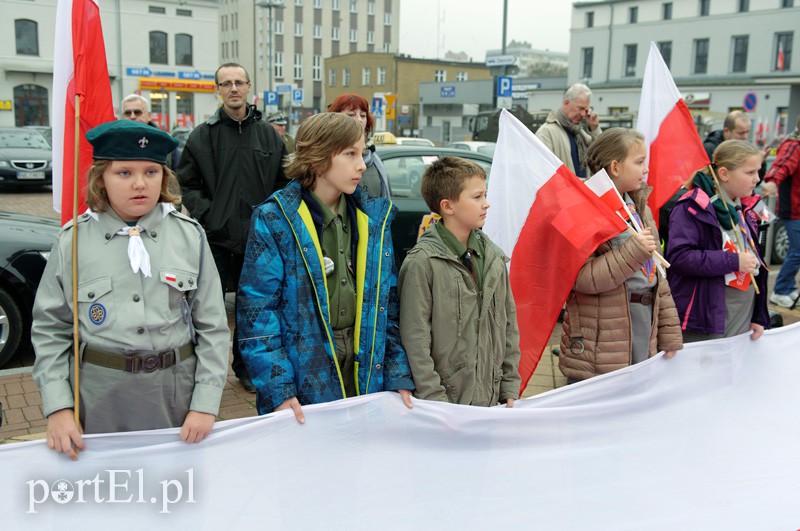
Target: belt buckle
[[647, 298], [151, 362]]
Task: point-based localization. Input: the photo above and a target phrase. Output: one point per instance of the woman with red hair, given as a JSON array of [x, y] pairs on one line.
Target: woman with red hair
[[375, 179]]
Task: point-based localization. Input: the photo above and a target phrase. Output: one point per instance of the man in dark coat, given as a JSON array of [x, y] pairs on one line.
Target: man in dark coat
[[232, 162]]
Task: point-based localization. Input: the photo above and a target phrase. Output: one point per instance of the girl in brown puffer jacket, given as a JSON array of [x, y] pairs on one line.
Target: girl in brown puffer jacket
[[620, 310]]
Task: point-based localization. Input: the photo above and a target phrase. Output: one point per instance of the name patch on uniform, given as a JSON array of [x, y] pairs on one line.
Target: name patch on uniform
[[97, 313]]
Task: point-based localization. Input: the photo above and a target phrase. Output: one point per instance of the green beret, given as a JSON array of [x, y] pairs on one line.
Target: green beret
[[129, 140]]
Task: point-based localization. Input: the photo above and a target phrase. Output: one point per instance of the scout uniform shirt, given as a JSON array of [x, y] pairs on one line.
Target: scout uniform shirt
[[124, 313]]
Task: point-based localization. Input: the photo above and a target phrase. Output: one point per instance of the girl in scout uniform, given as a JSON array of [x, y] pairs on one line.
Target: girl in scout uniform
[[154, 338], [317, 304]]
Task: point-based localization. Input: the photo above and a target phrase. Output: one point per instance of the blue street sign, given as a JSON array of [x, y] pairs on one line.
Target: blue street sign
[[447, 92], [270, 98], [297, 95], [143, 72], [377, 107], [283, 88], [504, 86], [750, 101]]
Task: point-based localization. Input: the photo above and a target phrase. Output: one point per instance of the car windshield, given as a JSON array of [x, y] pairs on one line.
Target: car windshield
[[23, 139], [487, 149]]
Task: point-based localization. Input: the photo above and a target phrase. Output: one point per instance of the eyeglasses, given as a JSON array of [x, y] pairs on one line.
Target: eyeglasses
[[228, 84], [132, 112]]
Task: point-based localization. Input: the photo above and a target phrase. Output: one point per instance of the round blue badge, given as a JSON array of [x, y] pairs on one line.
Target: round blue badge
[[97, 313]]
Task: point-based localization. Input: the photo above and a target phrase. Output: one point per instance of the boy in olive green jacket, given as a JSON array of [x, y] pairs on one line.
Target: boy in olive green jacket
[[458, 321]]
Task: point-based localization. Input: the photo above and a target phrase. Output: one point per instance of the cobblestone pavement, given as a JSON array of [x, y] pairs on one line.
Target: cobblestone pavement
[[23, 419]]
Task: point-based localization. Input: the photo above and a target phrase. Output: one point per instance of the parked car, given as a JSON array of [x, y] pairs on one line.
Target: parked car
[[25, 158], [181, 134], [46, 131], [405, 165], [388, 138], [25, 243], [473, 145]]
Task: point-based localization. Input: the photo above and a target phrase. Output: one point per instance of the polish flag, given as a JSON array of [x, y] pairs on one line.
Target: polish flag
[[79, 67], [548, 222], [780, 63], [602, 185], [675, 151]]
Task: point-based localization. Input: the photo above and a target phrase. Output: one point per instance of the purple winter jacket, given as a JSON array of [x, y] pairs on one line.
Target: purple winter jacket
[[698, 264]]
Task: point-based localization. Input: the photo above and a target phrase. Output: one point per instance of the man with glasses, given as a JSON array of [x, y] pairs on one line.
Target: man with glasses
[[232, 162], [136, 108]]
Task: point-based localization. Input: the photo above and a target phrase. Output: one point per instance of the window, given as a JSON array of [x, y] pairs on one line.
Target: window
[[381, 75], [744, 6], [387, 19], [183, 12], [183, 49], [345, 77], [298, 66], [332, 77], [630, 60], [705, 6], [441, 76], [739, 54], [158, 47], [587, 57], [335, 33], [370, 8], [783, 51], [278, 65], [27, 35], [665, 48], [354, 6], [787, 3], [278, 27], [336, 5], [298, 2], [316, 68], [633, 15], [666, 11], [318, 4], [370, 37], [366, 76], [462, 76], [158, 10], [387, 47], [353, 35], [30, 105], [298, 29], [590, 19], [700, 56], [317, 31]]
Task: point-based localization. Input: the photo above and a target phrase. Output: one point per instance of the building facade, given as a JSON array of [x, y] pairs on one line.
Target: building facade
[[720, 53], [301, 35], [373, 75], [165, 50]]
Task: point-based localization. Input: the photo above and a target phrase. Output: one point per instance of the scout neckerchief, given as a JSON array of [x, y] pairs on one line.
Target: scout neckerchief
[[649, 267]]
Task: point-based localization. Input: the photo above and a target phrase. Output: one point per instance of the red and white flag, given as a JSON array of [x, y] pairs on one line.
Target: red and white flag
[[600, 183], [675, 150], [780, 61], [79, 68], [548, 222]]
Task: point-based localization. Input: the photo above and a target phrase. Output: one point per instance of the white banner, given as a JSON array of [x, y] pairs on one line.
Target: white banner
[[707, 440]]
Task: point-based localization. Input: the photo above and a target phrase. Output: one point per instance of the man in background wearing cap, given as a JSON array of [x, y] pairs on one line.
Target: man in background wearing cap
[[279, 121], [232, 162]]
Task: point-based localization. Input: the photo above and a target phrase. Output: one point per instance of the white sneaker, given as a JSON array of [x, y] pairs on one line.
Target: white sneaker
[[784, 301]]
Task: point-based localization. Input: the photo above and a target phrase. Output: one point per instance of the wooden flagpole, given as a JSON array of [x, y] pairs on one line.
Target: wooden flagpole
[[76, 345], [739, 243]]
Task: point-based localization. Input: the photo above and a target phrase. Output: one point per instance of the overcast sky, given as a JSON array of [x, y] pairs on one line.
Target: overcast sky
[[474, 26]]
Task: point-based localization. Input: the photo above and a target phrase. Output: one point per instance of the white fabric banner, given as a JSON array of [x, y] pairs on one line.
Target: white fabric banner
[[707, 440]]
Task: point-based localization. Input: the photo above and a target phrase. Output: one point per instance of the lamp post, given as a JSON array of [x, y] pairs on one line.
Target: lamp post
[[270, 5]]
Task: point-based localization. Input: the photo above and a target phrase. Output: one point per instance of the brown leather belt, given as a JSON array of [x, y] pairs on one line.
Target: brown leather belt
[[137, 361], [645, 298]]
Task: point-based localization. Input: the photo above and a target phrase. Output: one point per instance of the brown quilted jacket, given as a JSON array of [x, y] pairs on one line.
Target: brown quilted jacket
[[596, 335]]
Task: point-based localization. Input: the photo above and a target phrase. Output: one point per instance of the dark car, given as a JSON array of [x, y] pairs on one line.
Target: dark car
[[405, 165], [181, 134], [25, 243], [25, 158]]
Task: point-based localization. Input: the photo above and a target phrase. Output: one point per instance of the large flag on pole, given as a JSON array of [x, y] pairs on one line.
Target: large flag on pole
[[675, 150], [79, 68], [548, 222]]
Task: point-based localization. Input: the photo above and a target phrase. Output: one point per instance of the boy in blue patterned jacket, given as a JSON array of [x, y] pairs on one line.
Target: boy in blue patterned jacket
[[317, 303]]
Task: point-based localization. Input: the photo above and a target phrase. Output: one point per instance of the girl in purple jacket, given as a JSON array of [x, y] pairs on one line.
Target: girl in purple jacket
[[713, 252]]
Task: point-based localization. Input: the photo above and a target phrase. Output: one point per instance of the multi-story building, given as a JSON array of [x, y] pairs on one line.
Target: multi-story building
[[302, 34], [719, 53], [372, 75], [164, 49], [532, 62]]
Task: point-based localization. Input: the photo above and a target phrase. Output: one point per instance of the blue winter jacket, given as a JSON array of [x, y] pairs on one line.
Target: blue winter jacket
[[282, 315]]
